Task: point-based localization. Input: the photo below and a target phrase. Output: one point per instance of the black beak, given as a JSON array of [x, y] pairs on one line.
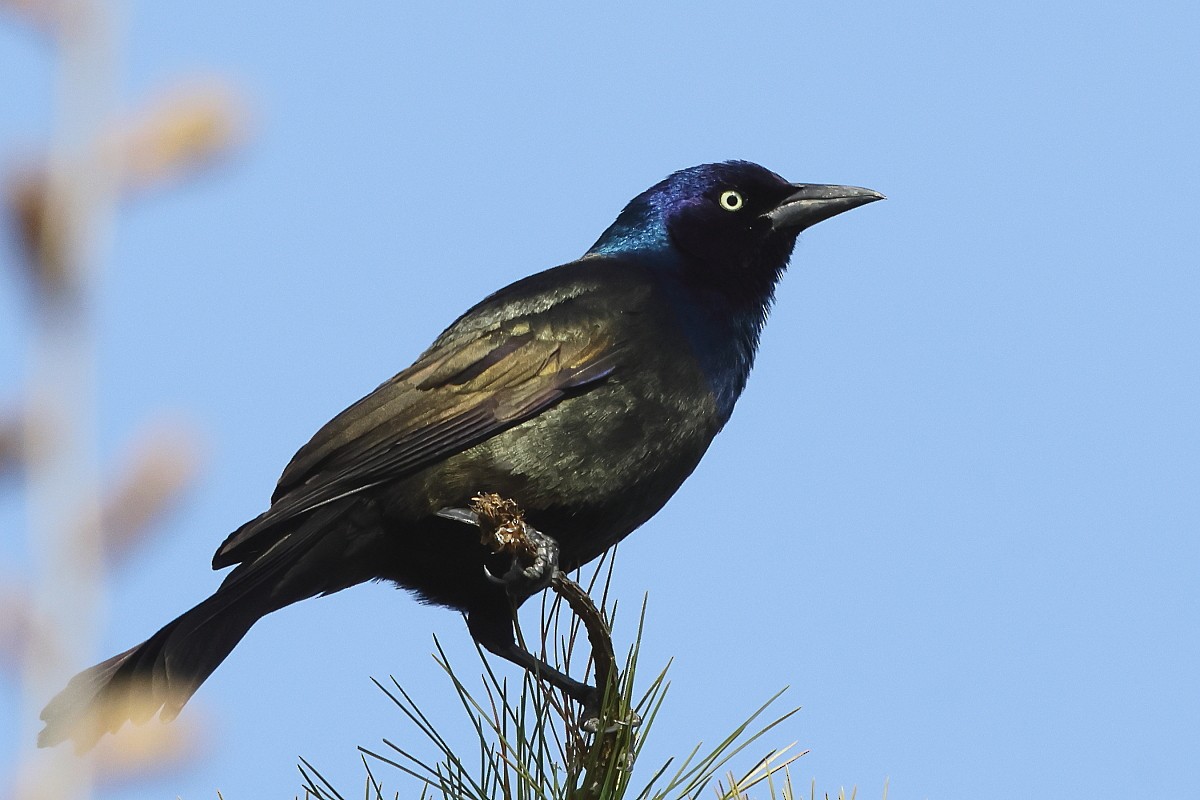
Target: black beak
[[814, 202]]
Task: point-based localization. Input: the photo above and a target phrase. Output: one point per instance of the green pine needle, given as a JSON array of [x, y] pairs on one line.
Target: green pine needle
[[527, 744]]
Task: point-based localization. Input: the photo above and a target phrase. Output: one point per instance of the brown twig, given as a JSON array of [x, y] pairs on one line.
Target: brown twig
[[505, 531]]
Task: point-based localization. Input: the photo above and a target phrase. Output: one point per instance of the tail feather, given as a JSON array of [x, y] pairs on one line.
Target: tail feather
[[163, 672], [158, 676]]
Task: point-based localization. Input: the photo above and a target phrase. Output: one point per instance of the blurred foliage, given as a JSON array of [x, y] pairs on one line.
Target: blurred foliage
[[60, 198]]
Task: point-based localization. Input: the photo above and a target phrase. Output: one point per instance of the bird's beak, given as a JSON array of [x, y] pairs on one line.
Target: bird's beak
[[813, 202]]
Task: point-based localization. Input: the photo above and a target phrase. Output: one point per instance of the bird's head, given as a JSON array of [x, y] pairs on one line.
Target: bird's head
[[731, 225]]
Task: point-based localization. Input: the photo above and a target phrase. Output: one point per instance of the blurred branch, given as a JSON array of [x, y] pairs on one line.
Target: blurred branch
[[160, 466], [59, 216], [12, 443], [46, 14], [62, 205], [138, 752], [185, 130], [16, 621], [40, 221]]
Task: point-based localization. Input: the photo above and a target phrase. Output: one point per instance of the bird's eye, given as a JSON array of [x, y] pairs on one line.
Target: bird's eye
[[732, 201]]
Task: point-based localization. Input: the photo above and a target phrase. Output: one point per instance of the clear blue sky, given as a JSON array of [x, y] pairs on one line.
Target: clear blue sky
[[956, 509]]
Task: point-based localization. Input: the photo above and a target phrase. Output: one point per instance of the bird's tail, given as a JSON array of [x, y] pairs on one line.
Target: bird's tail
[[161, 673]]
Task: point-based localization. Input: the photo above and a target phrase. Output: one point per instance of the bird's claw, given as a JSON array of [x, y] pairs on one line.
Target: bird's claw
[[590, 722], [524, 577], [463, 515]]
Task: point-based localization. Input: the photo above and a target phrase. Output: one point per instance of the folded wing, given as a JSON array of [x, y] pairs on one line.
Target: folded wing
[[462, 391]]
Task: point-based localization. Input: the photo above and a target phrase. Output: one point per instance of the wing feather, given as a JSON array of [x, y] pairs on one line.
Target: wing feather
[[459, 393]]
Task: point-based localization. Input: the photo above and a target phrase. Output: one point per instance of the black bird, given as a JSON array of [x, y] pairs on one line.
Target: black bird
[[586, 393]]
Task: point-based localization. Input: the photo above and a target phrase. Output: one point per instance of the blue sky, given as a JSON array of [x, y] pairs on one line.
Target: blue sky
[[956, 509]]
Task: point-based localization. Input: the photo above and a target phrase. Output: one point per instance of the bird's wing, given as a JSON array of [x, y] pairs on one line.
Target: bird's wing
[[471, 385]]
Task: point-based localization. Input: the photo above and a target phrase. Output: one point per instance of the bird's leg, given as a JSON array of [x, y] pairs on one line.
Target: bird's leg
[[534, 567], [493, 630]]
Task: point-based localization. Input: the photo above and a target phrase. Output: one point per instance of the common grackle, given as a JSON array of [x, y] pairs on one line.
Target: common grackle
[[586, 393]]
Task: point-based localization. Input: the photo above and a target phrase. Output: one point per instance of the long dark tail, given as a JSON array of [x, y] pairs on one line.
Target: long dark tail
[[313, 556], [161, 673]]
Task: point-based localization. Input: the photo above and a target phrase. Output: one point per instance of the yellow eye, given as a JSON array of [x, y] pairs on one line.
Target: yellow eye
[[732, 201]]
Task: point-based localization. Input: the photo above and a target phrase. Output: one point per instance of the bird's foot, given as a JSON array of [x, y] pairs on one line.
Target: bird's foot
[[528, 575], [533, 554], [591, 722]]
